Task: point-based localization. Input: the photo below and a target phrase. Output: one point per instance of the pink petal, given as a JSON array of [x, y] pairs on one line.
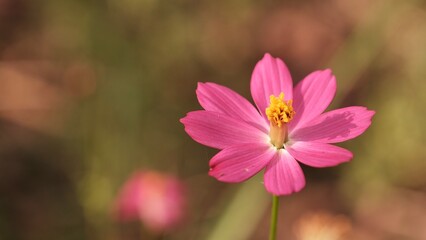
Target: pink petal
[[129, 198], [312, 96], [217, 98], [270, 77], [240, 162], [283, 175], [335, 126], [316, 154], [218, 130], [162, 205]]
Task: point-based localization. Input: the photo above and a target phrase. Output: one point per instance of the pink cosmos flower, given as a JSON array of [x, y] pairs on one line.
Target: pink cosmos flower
[[288, 124], [156, 199]]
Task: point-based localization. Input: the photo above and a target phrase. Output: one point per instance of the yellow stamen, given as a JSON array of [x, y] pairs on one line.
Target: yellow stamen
[[279, 113]]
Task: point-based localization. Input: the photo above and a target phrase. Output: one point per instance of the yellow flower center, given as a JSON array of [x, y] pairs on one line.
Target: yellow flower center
[[279, 113]]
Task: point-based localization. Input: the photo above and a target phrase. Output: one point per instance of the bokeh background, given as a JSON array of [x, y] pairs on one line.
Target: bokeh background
[[92, 91]]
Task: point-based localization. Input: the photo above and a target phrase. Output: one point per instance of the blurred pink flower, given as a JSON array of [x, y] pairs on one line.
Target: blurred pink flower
[[157, 199], [291, 125]]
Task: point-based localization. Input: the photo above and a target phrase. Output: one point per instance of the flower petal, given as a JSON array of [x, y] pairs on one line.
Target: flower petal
[[270, 77], [240, 162], [316, 154], [335, 126], [217, 98], [312, 96], [218, 130], [283, 175], [129, 198]]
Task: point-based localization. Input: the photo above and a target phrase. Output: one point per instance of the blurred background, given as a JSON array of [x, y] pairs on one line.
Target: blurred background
[[92, 92]]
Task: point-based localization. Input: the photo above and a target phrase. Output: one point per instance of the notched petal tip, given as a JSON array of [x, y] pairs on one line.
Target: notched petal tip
[[369, 117], [351, 156], [220, 176], [183, 120], [200, 88], [203, 84], [327, 71], [267, 55], [371, 112], [212, 171], [199, 84], [367, 114], [285, 192]]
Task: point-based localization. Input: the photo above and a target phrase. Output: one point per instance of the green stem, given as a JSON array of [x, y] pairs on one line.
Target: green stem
[[274, 218]]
